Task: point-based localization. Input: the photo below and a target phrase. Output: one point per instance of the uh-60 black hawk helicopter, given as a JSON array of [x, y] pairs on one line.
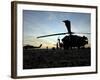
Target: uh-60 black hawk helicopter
[[71, 40]]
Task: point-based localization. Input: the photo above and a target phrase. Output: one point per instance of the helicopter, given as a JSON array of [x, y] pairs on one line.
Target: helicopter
[[71, 40], [31, 47]]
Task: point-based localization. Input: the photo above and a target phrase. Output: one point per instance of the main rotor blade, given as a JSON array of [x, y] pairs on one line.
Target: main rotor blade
[[68, 26], [61, 34], [81, 33], [52, 35]]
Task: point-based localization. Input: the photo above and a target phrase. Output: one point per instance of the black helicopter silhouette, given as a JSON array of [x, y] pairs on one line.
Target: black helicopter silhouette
[[31, 47], [71, 40]]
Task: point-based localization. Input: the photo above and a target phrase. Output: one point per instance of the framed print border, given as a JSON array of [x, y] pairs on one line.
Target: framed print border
[[14, 37]]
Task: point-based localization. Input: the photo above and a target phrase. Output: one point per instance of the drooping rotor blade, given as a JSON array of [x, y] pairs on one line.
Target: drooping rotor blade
[[62, 34], [81, 33], [68, 25], [52, 35]]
